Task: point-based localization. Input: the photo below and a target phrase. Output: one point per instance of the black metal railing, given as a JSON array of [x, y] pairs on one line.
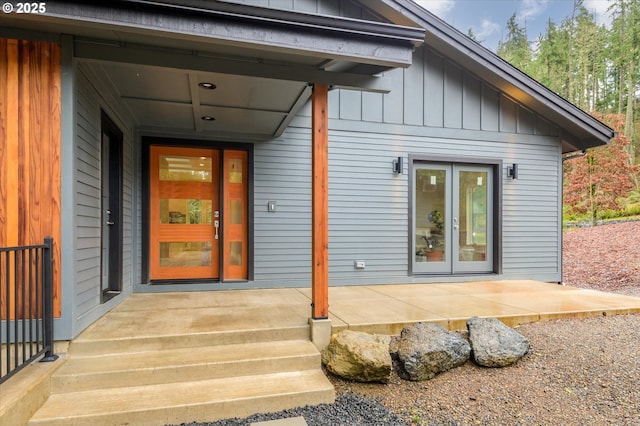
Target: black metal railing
[[26, 306]]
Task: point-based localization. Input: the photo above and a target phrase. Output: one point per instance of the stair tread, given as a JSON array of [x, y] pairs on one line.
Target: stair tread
[[85, 404], [166, 358], [164, 329], [96, 345]]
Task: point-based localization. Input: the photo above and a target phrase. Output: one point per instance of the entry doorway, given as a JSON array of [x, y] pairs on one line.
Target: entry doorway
[[197, 214], [453, 218], [111, 209]]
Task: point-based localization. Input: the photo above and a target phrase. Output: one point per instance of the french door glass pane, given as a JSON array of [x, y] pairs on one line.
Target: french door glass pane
[[472, 210], [430, 213]]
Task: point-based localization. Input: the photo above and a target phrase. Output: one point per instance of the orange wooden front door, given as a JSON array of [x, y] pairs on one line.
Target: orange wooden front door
[[190, 220], [183, 205]]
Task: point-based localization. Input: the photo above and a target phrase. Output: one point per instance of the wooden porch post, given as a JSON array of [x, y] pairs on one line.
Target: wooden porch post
[[320, 203]]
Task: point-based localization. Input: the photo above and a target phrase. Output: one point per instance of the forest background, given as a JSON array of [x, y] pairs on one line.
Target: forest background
[[597, 68]]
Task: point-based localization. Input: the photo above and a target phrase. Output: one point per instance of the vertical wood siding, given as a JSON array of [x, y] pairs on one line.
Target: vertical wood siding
[[30, 147]]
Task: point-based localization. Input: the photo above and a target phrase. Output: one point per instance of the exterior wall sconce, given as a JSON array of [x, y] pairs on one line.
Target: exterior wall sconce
[[397, 166], [512, 171]]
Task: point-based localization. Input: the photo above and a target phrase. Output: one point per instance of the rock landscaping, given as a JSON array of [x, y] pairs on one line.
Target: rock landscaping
[[425, 350], [494, 344], [422, 351], [358, 356]]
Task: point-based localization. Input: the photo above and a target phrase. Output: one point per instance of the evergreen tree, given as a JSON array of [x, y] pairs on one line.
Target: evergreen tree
[[625, 57], [515, 49]]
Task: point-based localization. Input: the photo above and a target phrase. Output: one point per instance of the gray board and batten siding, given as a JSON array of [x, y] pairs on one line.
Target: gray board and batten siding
[[436, 109]]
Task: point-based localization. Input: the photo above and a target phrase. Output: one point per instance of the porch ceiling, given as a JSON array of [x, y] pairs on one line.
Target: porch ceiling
[[172, 101]]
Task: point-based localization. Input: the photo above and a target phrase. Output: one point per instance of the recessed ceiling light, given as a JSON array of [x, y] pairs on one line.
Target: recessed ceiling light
[[207, 85], [207, 118]]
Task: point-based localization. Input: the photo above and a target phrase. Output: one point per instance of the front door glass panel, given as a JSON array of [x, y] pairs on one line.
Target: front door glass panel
[[184, 196], [185, 254], [235, 227]]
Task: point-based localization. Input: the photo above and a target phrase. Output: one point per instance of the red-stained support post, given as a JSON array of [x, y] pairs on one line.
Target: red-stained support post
[[320, 203]]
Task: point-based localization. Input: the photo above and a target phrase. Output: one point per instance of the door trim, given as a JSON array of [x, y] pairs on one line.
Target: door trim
[[497, 168], [146, 142], [114, 173]]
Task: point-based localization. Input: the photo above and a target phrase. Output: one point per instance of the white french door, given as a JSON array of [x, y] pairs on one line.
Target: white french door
[[452, 218]]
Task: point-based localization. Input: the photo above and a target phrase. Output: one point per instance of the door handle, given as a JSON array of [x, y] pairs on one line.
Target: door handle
[[216, 224], [109, 223]]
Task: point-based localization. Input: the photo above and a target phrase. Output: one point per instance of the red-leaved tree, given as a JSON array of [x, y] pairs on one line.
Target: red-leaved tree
[[598, 180]]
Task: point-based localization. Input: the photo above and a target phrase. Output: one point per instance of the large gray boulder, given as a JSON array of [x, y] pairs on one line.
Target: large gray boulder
[[358, 356], [426, 349], [494, 344]]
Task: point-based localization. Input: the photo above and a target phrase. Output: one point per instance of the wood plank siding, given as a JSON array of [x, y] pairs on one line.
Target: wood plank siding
[[30, 147], [91, 99]]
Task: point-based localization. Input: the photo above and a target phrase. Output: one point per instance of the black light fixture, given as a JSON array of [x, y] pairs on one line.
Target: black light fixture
[[397, 166], [207, 85], [512, 171], [207, 118]]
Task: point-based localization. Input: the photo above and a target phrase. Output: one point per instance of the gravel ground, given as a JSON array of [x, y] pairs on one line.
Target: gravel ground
[[578, 371], [349, 409]]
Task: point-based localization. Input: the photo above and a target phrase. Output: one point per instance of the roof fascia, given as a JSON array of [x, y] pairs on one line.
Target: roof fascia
[[412, 34], [236, 25], [98, 50], [494, 69]]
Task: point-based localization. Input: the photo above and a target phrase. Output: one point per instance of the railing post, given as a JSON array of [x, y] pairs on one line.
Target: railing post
[[47, 281]]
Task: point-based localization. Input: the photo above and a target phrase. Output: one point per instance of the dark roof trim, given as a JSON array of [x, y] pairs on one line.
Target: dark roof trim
[[452, 42], [229, 25], [413, 35]]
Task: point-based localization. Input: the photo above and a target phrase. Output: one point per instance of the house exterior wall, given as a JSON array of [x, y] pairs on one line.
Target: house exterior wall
[[436, 109], [90, 100]]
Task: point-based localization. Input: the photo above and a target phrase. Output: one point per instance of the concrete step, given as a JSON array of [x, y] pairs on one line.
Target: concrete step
[[175, 403], [87, 345], [184, 364]]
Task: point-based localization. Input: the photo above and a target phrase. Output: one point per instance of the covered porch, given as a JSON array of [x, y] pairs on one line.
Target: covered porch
[[168, 358], [383, 309]]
